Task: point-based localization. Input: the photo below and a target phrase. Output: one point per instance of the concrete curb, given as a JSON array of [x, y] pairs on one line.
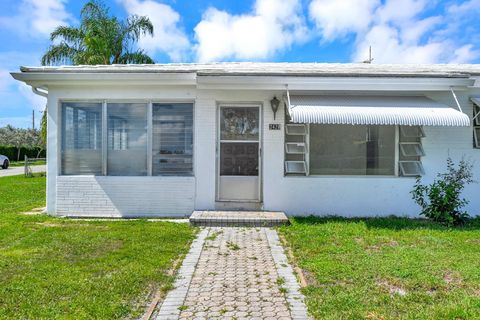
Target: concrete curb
[[170, 308], [295, 299]]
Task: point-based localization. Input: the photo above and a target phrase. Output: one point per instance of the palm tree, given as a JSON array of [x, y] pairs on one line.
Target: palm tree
[[100, 39]]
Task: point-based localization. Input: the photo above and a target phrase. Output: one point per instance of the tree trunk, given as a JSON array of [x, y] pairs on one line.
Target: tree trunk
[[39, 151]]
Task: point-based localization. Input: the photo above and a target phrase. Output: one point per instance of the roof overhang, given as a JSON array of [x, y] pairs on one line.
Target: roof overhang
[[46, 79], [246, 82], [373, 110], [332, 83]]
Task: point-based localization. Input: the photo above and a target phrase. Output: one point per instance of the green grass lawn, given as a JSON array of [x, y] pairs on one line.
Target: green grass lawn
[[387, 268], [52, 268]]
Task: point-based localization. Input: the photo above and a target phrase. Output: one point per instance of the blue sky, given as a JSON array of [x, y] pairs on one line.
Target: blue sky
[[399, 31]]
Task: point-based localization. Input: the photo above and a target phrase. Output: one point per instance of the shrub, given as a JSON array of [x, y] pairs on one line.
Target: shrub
[[441, 201], [12, 152]]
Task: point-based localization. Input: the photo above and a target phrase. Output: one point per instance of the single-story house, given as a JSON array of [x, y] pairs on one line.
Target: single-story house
[[303, 138]]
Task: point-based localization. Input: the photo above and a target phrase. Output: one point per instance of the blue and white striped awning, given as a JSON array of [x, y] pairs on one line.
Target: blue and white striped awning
[[373, 110]]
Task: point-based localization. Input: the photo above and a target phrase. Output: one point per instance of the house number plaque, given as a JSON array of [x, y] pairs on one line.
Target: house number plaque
[[274, 126]]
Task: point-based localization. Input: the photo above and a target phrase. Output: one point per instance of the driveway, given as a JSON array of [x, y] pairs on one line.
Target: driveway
[[13, 171]]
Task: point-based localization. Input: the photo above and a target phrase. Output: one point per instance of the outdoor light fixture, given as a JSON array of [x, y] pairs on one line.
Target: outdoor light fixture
[[274, 103]]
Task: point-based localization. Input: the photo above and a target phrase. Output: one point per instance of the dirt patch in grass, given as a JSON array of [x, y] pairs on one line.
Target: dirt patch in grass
[[453, 279], [392, 288]]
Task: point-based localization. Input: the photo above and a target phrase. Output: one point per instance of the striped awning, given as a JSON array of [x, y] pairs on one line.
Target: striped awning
[[373, 110]]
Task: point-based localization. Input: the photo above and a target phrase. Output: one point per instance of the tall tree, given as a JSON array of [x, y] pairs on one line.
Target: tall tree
[[100, 39]]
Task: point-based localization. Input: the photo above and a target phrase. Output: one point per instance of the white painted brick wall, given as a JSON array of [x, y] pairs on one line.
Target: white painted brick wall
[[125, 196], [170, 196]]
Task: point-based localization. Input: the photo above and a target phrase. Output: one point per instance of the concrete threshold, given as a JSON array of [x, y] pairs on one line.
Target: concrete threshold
[[238, 218]]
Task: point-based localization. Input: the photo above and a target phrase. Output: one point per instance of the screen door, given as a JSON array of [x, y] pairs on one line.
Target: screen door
[[239, 153]]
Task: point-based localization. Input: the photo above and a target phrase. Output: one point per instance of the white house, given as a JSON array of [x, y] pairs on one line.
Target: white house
[[164, 140]]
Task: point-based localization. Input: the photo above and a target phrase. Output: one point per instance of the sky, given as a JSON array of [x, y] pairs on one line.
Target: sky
[[399, 31]]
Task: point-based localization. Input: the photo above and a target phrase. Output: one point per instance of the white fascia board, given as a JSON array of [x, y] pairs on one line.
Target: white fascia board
[[41, 79], [332, 83]]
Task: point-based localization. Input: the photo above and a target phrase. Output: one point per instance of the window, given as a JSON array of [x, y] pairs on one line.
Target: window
[[412, 132], [476, 135], [352, 150], [81, 151], [411, 151], [127, 139], [116, 142], [476, 126], [411, 168], [172, 139]]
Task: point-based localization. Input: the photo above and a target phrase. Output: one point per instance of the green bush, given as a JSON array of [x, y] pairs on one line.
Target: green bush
[[11, 152], [441, 201]]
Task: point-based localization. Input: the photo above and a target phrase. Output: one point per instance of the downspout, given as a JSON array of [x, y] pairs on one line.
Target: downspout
[[288, 101], [43, 93]]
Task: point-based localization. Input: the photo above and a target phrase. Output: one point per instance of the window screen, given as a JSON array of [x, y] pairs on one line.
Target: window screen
[[352, 150], [476, 136], [412, 149], [412, 132], [411, 168], [476, 126], [127, 139], [172, 139], [81, 138]]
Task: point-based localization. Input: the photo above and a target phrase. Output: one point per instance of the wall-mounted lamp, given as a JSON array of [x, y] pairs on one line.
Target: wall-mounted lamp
[[274, 103]]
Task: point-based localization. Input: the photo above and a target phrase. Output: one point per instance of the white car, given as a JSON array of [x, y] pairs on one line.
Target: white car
[[4, 162]]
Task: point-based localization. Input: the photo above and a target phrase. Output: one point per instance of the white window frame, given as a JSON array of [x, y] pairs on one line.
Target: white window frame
[[292, 145], [290, 130], [403, 131], [476, 136], [295, 163], [476, 114], [104, 133], [406, 154], [411, 174]]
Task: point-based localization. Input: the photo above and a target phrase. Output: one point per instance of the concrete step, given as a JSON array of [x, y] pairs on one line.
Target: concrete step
[[238, 218]]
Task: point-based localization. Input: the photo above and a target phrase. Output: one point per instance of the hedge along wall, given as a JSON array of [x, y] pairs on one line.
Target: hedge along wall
[[11, 152]]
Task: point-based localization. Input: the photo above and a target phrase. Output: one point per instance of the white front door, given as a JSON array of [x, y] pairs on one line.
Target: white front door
[[238, 150]]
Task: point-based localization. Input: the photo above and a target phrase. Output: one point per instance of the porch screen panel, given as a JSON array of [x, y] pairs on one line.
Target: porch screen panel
[[127, 139], [352, 150], [172, 139], [81, 152]]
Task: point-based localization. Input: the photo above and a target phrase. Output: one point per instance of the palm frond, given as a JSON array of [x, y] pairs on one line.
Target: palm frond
[[58, 54], [94, 9], [138, 57], [68, 34], [137, 26], [100, 38]]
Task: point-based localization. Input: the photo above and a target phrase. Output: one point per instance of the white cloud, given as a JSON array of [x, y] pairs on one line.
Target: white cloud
[[16, 97], [337, 18], [37, 102], [168, 36], [465, 54], [37, 18], [271, 27], [4, 80], [399, 31]]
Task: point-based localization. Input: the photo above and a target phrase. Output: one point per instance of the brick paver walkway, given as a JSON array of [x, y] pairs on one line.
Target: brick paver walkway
[[240, 273]]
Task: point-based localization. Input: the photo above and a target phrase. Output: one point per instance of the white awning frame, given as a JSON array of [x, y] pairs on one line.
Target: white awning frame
[[373, 110]]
